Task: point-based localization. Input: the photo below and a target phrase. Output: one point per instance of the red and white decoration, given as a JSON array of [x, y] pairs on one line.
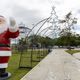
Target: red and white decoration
[[6, 32]]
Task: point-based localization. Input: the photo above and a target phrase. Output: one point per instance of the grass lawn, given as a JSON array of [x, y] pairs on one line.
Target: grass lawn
[[72, 51], [18, 73]]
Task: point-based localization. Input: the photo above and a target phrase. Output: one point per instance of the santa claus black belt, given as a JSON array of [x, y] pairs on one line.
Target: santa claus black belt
[[4, 45]]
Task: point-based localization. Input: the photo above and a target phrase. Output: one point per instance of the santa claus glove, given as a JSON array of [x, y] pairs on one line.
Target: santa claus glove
[[13, 27]]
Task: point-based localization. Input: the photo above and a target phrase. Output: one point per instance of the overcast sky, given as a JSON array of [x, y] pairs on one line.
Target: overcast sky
[[32, 11]]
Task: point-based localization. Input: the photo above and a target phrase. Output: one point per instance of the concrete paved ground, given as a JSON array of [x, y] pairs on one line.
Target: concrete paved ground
[[58, 65], [77, 55]]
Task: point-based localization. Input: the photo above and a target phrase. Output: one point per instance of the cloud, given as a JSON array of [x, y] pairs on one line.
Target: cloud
[[32, 11], [77, 29], [25, 15]]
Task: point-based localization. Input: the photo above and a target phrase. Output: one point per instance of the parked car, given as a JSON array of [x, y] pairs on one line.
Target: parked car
[[70, 47]]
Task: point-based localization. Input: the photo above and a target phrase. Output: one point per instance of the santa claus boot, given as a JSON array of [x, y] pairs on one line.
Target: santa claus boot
[[4, 74], [3, 65]]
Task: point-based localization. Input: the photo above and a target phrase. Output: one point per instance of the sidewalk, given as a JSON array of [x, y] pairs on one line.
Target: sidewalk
[[58, 65], [77, 55]]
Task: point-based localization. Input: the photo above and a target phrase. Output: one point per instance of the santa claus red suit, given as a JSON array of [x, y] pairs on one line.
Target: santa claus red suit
[[6, 32]]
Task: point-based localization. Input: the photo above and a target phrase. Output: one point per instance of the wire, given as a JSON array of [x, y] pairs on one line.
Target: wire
[[35, 26], [51, 2]]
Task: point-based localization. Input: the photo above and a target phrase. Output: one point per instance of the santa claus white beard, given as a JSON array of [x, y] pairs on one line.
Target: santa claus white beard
[[3, 27]]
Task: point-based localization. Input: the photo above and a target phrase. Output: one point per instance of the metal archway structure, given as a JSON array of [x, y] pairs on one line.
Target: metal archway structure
[[52, 20]]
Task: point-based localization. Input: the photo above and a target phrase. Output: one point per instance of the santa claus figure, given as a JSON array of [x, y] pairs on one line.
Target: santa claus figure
[[6, 32]]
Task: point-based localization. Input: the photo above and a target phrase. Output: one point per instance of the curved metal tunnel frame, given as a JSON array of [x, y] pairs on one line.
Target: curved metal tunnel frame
[[32, 49]]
